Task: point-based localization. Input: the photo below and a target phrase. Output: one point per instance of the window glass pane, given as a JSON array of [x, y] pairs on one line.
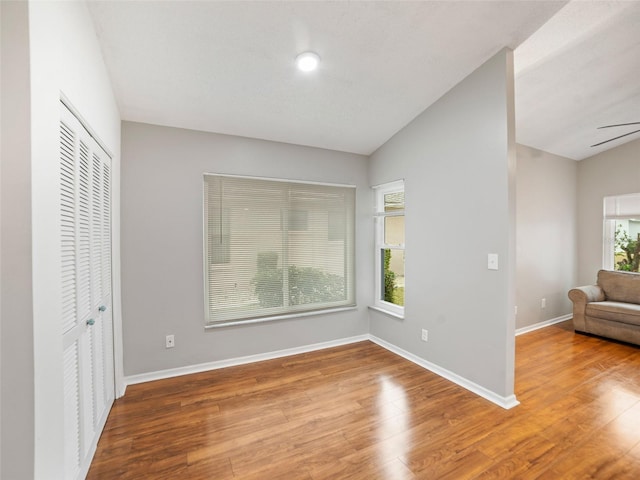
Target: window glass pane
[[393, 201], [627, 245], [392, 282], [219, 237], [277, 247], [336, 231], [394, 230], [298, 220], [621, 249], [390, 239]]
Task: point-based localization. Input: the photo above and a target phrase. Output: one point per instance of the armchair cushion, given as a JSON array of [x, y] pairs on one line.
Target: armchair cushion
[[620, 286], [615, 311]]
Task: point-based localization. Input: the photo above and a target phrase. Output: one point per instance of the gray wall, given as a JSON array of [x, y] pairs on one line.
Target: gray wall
[[546, 229], [16, 309], [614, 172], [457, 161], [162, 279]]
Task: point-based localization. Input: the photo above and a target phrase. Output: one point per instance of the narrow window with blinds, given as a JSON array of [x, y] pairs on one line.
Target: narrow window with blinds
[[276, 248]]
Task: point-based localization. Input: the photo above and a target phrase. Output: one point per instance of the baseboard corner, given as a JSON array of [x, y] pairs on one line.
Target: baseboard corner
[[507, 402]]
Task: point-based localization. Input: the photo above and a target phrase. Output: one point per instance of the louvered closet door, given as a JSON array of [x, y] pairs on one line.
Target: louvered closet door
[[87, 326]]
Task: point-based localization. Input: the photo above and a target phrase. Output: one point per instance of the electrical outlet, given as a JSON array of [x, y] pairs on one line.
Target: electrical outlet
[[515, 310], [543, 303], [425, 335], [170, 341]]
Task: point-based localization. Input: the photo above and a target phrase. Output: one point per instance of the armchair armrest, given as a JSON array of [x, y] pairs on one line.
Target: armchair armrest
[[586, 294], [580, 296]]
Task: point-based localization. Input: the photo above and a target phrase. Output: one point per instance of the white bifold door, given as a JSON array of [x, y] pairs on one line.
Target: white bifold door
[[87, 324]]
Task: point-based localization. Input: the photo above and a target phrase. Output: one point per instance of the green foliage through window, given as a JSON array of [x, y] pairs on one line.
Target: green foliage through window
[[393, 293], [627, 251], [307, 285], [389, 277]]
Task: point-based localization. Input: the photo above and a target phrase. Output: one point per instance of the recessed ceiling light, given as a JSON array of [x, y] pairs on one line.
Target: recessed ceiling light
[[307, 61]]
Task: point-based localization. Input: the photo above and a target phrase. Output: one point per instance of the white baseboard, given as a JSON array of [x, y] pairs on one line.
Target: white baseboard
[[546, 323], [504, 402], [204, 367], [121, 389]]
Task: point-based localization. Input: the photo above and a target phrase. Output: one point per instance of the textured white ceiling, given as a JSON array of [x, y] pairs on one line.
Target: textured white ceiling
[[227, 67]]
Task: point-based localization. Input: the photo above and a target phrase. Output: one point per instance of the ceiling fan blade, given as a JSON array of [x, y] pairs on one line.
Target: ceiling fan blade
[[615, 138], [620, 125]]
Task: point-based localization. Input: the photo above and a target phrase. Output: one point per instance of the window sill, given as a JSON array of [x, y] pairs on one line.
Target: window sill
[[231, 323], [387, 312]]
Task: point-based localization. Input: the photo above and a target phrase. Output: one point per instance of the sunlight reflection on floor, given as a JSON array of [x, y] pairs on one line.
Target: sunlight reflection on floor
[[394, 414], [624, 429]]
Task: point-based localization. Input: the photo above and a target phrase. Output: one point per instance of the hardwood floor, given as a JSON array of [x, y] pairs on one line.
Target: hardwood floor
[[361, 412]]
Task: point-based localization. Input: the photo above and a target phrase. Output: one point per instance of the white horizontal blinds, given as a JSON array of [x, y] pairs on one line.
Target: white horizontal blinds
[[622, 206], [277, 247]]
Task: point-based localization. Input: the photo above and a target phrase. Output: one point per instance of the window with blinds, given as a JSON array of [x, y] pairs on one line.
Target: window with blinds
[[621, 243], [274, 248]]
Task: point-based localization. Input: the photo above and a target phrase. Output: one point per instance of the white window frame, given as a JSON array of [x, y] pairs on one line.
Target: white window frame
[[214, 315], [616, 207], [379, 217]]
